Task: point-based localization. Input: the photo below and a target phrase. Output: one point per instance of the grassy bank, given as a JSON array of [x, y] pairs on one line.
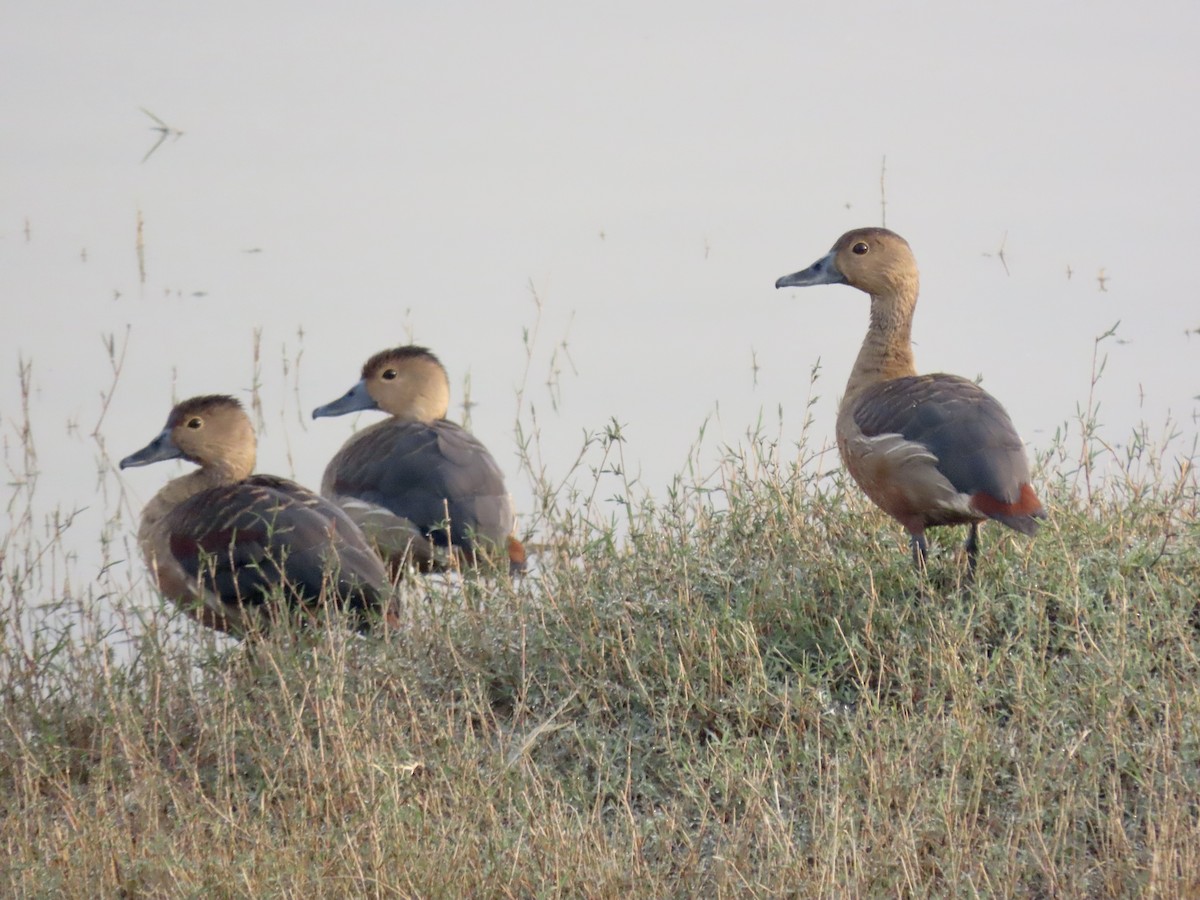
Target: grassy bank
[[740, 689]]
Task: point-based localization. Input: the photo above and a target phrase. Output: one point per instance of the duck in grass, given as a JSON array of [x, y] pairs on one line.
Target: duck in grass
[[929, 450], [229, 546], [425, 490]]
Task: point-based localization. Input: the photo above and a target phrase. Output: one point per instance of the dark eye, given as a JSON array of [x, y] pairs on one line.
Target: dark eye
[[860, 248], [389, 375], [195, 422]]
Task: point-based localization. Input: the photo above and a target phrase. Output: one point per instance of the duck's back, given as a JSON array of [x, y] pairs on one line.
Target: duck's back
[[425, 473]]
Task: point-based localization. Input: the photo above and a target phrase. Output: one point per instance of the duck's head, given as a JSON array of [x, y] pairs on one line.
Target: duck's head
[[212, 431], [406, 382], [874, 260]]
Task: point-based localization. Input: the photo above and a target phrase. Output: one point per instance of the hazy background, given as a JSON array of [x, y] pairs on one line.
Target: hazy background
[[375, 172]]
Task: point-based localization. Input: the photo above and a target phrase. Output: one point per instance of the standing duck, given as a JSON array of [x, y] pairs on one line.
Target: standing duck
[[225, 545], [927, 449], [424, 489]]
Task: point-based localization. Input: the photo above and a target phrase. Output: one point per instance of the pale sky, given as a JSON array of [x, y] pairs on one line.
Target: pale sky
[[648, 169]]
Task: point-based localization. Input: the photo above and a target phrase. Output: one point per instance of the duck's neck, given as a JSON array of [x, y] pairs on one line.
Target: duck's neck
[[886, 351], [425, 416]]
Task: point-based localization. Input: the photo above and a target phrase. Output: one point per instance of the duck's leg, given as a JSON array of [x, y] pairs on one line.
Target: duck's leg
[[972, 548], [920, 550]]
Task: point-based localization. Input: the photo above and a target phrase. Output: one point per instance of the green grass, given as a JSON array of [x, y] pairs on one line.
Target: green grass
[[738, 689]]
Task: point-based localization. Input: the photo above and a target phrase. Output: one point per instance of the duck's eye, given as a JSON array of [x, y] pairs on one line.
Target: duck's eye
[[389, 375], [860, 248], [195, 422]]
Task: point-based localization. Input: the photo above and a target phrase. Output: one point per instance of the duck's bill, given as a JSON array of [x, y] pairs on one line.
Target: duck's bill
[[823, 271], [162, 447], [355, 399]]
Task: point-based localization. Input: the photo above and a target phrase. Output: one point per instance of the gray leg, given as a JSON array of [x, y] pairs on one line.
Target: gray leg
[[972, 548], [920, 550]]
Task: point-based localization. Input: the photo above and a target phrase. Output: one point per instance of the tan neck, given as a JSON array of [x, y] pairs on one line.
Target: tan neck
[[429, 403], [421, 412], [886, 351]]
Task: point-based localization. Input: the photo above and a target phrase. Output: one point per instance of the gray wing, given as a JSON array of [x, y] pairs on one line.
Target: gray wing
[[426, 473], [247, 539], [965, 427]]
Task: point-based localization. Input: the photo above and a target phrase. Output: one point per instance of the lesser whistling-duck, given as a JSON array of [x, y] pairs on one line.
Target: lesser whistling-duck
[[224, 544], [424, 489], [927, 449]]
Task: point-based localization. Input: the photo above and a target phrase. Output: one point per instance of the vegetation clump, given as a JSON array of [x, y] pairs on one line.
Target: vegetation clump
[[737, 688]]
